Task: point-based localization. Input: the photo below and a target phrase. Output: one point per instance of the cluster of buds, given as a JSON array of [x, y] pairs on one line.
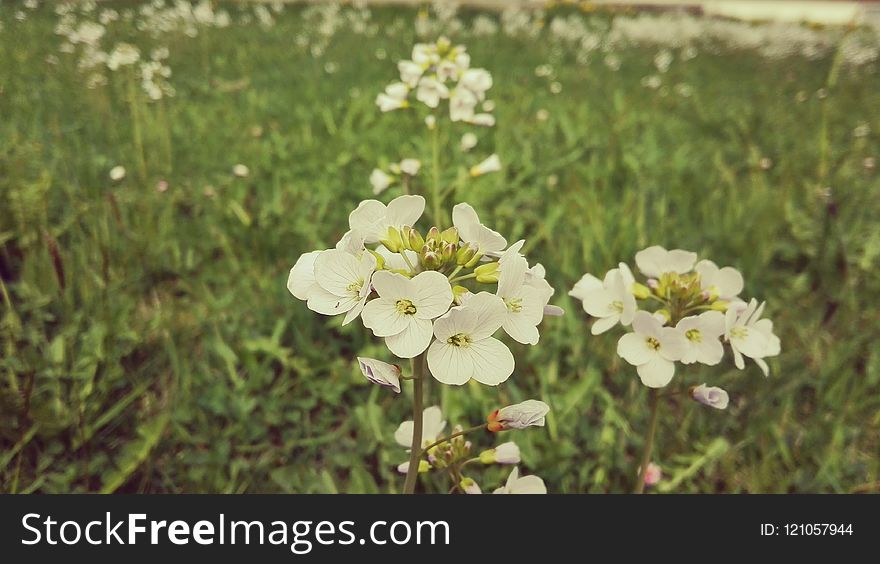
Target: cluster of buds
[[450, 454]]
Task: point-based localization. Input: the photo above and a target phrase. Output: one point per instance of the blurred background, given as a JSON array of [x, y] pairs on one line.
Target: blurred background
[[150, 212]]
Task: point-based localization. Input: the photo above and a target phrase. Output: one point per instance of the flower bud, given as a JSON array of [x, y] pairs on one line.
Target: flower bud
[[640, 291], [720, 305], [433, 235], [380, 260], [530, 413], [664, 314], [469, 486], [465, 254], [653, 474], [711, 396], [423, 467], [507, 453], [381, 373], [474, 260], [487, 273], [432, 260], [393, 241], [448, 253], [414, 239], [450, 236]]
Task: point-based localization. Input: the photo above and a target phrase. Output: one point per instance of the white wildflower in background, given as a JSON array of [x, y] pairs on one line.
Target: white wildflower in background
[[491, 164], [124, 54], [241, 170], [468, 142], [522, 485], [117, 173], [751, 336]]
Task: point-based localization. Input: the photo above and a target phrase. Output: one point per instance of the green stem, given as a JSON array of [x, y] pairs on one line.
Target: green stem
[[435, 166], [649, 441], [136, 126], [406, 260], [465, 277], [454, 272], [452, 436], [415, 455]]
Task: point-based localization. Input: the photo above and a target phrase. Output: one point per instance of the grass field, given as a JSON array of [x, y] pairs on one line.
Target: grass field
[[149, 343]]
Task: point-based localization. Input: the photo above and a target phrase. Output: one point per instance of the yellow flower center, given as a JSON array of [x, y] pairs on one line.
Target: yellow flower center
[[617, 306], [514, 305], [355, 287], [459, 340], [653, 343], [405, 307], [739, 332], [694, 335]]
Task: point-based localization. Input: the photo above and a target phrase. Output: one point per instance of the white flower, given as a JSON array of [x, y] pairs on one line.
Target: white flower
[[393, 98], [483, 120], [430, 91], [430, 122], [433, 425], [372, 218], [381, 373], [380, 180], [123, 54], [465, 347], [301, 280], [410, 166], [342, 283], [506, 453], [524, 485], [525, 304], [703, 333], [117, 173], [530, 413], [655, 261], [751, 336], [410, 72], [404, 310], [468, 141], [610, 300], [722, 283], [711, 396], [491, 164], [241, 170], [462, 104], [477, 81], [424, 54], [652, 349], [469, 228]]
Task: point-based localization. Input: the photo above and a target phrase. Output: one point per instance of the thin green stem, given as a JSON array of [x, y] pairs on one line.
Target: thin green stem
[[465, 277], [136, 126], [415, 455], [407, 261], [452, 436], [649, 441], [435, 166], [454, 272]]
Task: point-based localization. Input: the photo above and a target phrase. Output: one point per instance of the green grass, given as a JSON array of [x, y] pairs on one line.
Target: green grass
[[171, 358]]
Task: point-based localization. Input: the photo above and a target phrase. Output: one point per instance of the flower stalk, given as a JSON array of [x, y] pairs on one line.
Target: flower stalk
[[654, 402], [415, 454]]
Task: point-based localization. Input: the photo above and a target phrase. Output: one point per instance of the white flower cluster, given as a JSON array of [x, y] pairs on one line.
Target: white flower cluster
[[441, 71], [699, 309], [402, 288], [453, 452]]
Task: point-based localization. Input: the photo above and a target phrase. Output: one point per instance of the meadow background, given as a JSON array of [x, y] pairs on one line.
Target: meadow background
[[149, 343]]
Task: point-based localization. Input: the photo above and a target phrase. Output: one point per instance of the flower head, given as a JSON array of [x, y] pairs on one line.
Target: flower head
[[652, 349], [404, 309], [342, 282], [722, 283], [372, 218], [610, 300], [467, 222], [380, 180], [465, 348], [703, 333], [751, 336], [525, 303]]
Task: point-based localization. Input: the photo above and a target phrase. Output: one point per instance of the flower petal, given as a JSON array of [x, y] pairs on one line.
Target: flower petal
[[433, 294], [634, 348], [656, 373], [382, 317], [449, 364], [413, 340], [493, 362]]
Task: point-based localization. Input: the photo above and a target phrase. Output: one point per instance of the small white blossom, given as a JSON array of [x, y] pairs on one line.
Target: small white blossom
[[610, 301], [410, 166], [524, 485], [404, 309], [506, 453], [652, 349], [469, 228], [468, 141], [380, 180], [655, 261], [703, 333], [372, 218], [491, 164], [433, 425], [430, 91], [751, 336], [525, 303], [465, 348], [342, 283], [241, 170], [117, 173], [721, 283]]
